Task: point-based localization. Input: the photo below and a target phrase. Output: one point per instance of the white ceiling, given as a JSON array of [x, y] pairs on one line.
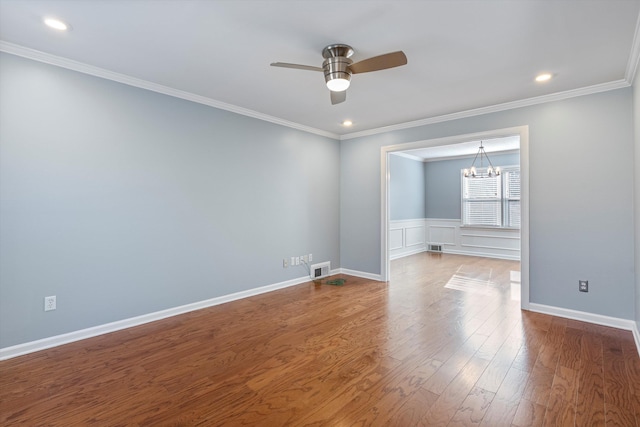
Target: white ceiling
[[462, 55]]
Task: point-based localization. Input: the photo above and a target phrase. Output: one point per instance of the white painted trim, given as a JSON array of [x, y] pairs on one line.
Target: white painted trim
[[80, 67], [402, 227], [489, 247], [483, 235], [467, 156], [409, 156], [401, 245], [634, 56], [408, 253], [583, 316], [406, 221], [636, 336], [481, 254], [603, 87], [355, 273], [385, 212], [524, 217], [49, 342], [457, 245], [59, 61], [413, 228]]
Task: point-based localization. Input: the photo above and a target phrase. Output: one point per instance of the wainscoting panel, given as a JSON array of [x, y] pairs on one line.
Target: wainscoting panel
[[414, 236], [406, 237], [478, 241], [442, 234], [396, 239]]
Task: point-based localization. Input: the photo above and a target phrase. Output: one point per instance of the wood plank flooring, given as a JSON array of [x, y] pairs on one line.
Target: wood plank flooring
[[410, 352]]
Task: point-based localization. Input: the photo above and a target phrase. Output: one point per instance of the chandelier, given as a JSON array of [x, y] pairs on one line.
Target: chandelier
[[472, 172]]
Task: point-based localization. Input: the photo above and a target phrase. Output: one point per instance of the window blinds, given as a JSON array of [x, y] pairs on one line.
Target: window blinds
[[493, 201]]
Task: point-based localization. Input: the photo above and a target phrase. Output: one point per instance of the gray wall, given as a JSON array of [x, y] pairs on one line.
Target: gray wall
[[406, 188], [443, 187], [581, 197], [123, 202], [636, 123]]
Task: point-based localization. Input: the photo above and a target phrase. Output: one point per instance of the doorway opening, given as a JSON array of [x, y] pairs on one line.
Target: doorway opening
[[452, 145]]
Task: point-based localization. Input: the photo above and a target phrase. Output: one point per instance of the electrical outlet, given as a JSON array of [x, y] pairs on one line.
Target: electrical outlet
[[583, 285], [285, 263], [297, 260], [50, 303]]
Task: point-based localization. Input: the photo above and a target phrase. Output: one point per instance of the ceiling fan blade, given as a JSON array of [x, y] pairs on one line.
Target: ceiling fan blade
[[382, 62], [296, 66], [338, 97]]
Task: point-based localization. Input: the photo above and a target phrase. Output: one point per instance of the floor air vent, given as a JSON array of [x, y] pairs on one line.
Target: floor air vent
[[320, 270], [435, 248]]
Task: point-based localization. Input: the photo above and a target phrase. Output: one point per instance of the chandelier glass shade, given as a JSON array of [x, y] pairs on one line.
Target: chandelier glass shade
[[480, 172]]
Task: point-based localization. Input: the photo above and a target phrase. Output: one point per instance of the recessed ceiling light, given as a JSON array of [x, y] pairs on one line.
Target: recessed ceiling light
[[347, 123], [56, 24], [543, 77]]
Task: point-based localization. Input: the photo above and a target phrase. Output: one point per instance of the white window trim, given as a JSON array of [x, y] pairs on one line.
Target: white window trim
[[503, 200]]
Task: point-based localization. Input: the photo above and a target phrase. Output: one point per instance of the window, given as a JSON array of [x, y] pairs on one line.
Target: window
[[492, 202]]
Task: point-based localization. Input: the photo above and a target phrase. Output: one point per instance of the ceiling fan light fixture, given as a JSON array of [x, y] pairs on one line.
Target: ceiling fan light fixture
[[338, 67], [336, 73], [338, 84]]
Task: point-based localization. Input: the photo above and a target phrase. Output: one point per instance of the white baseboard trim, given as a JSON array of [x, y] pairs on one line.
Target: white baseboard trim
[[49, 342], [356, 273], [598, 319], [411, 252], [481, 254], [636, 336]]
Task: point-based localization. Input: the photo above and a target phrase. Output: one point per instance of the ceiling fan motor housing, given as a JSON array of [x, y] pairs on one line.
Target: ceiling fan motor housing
[[337, 68], [336, 63]]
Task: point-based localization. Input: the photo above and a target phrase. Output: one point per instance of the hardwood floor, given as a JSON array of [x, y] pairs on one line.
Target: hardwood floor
[[404, 353]]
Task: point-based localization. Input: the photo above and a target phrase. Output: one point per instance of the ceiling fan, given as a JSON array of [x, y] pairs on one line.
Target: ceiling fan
[[338, 67]]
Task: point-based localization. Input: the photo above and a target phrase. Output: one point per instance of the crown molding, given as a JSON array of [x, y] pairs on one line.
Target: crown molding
[[634, 56], [603, 87], [80, 67], [59, 61]]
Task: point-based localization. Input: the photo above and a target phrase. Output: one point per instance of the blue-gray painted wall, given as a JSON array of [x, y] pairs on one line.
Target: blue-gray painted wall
[[123, 202], [581, 153], [406, 188], [444, 189]]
